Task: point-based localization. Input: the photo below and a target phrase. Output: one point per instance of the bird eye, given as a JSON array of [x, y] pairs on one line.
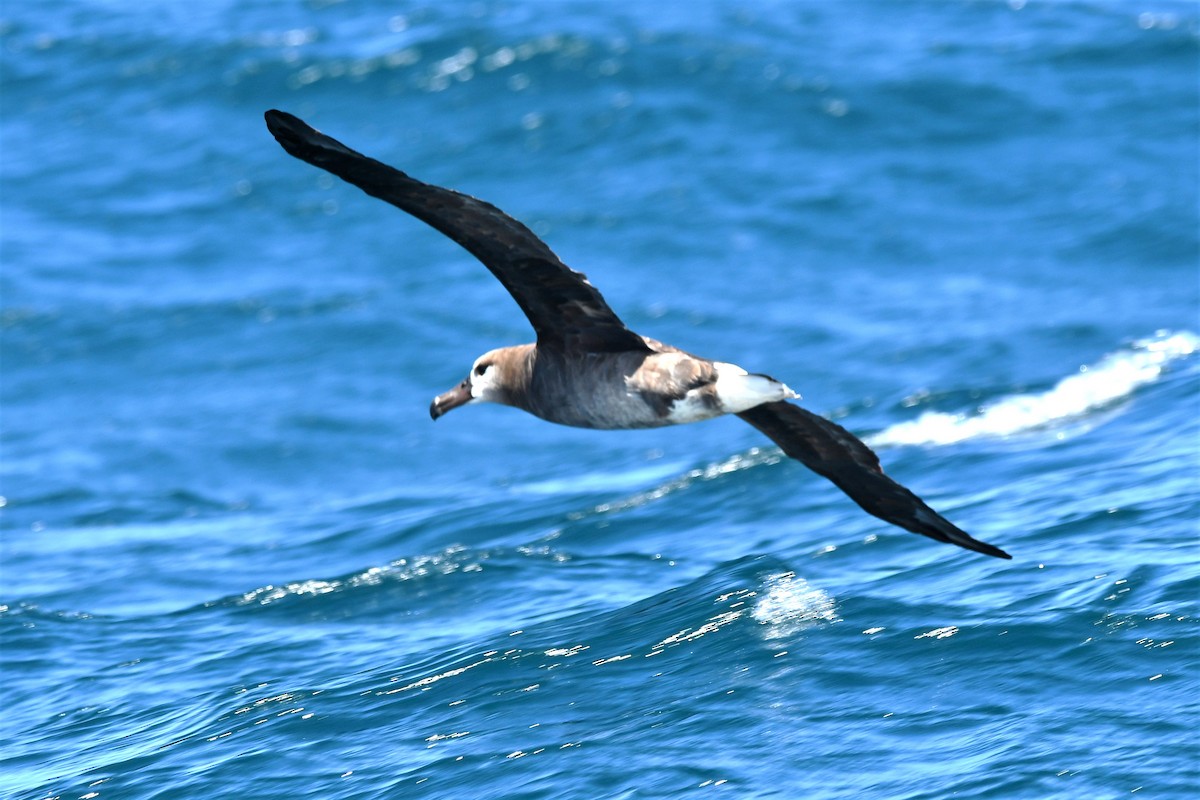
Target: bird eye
[[481, 368]]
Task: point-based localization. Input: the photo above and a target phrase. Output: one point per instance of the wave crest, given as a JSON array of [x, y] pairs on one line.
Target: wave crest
[[1112, 378]]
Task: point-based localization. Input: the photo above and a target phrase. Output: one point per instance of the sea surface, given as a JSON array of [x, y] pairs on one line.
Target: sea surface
[[238, 560]]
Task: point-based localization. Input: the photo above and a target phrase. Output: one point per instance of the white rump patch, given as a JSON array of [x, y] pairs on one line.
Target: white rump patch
[[739, 390], [736, 390]]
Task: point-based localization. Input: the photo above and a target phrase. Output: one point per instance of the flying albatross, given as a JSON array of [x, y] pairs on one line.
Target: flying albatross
[[590, 371]]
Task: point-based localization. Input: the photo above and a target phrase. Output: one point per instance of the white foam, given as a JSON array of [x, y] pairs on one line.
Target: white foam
[[1112, 378], [790, 605]]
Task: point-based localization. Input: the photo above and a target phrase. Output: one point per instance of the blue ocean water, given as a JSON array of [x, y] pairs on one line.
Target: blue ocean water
[[238, 560]]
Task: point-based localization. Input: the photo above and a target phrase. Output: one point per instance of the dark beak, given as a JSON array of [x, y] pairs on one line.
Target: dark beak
[[458, 396]]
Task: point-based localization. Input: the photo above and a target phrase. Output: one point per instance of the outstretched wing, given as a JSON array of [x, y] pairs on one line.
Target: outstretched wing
[[830, 450], [564, 309]]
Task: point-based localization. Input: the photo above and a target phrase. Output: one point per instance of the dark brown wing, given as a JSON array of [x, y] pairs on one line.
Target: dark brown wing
[[830, 450], [564, 309]]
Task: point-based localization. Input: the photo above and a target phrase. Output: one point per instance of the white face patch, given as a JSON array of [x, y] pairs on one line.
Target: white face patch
[[485, 380]]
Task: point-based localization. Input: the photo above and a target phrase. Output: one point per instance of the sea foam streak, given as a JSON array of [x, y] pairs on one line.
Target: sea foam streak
[[1114, 377]]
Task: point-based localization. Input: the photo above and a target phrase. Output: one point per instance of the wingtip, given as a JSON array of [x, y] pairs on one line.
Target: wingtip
[[274, 116], [968, 542], [306, 143], [287, 129], [965, 540], [990, 550], [935, 526]]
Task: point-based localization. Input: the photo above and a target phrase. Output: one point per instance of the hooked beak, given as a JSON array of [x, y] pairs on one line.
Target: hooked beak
[[458, 396]]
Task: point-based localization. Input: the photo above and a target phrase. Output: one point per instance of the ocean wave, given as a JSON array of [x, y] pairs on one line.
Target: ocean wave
[[453, 559], [754, 457], [1113, 378]]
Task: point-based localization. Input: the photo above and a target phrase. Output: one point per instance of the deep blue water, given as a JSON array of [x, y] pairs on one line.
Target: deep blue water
[[238, 560]]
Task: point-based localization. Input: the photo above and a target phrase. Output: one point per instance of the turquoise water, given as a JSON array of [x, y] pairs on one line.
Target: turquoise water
[[238, 560]]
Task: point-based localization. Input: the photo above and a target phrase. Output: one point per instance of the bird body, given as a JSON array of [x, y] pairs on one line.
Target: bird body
[[588, 370], [611, 390]]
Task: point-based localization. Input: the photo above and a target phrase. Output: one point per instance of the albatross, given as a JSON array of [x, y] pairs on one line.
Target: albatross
[[588, 370]]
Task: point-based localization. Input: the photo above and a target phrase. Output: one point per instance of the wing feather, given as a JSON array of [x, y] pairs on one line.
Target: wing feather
[[564, 309], [832, 451]]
